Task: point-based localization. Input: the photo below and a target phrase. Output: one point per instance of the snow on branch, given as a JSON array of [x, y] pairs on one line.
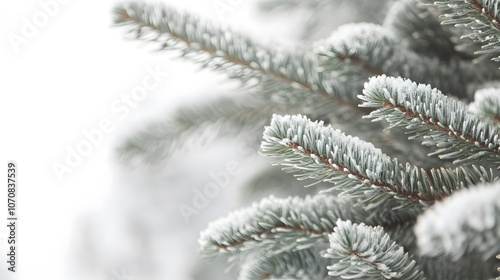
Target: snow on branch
[[467, 222], [304, 264], [481, 16], [365, 252], [356, 167], [276, 225], [443, 121], [362, 50], [223, 50]]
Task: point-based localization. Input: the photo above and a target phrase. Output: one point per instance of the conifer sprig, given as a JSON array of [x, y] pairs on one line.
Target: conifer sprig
[[357, 168], [224, 50], [276, 225], [442, 121], [304, 264], [361, 50], [364, 252]]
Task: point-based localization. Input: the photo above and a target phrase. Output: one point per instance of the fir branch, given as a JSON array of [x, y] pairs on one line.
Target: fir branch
[[358, 51], [356, 167], [275, 226], [304, 264], [486, 104], [444, 122], [226, 51], [467, 222], [368, 253], [270, 180], [481, 16], [226, 117], [352, 44]]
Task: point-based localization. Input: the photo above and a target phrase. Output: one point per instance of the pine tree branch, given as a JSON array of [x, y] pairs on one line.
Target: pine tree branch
[[304, 264], [276, 225], [444, 122], [356, 167], [467, 222], [358, 51], [227, 51], [368, 253], [481, 16]]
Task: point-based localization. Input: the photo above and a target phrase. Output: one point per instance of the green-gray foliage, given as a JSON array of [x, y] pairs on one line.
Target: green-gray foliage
[[414, 73]]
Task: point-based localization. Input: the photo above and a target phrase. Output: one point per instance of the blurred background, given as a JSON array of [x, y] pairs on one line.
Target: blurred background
[[67, 73]]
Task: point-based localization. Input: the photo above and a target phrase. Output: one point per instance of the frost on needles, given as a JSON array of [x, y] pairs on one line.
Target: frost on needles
[[397, 124]]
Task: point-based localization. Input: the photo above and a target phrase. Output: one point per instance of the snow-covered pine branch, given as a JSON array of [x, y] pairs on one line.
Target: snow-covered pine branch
[[305, 264], [443, 121], [481, 16], [356, 167], [365, 252], [276, 225], [223, 50], [358, 51]]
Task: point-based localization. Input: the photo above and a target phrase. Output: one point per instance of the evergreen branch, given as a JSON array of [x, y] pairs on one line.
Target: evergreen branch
[[275, 226], [368, 253], [358, 51], [226, 51], [226, 117], [356, 167], [304, 264], [443, 121], [481, 16], [486, 104], [467, 222]]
